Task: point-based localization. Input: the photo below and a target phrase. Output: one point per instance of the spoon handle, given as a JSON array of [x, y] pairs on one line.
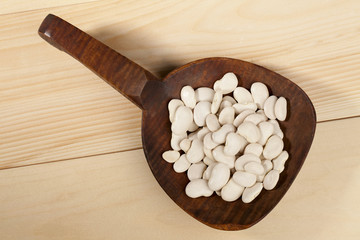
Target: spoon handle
[[121, 73]]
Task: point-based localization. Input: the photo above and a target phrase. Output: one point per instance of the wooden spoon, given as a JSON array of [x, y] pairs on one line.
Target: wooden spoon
[[152, 96]]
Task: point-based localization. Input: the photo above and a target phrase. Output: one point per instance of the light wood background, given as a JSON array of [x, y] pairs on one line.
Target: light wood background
[[70, 147]]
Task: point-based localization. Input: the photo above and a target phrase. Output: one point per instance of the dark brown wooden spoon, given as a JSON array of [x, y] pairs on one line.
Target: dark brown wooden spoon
[[152, 96]]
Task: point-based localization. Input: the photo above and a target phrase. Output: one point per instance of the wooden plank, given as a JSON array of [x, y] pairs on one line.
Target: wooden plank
[[14, 6], [52, 108], [115, 196]]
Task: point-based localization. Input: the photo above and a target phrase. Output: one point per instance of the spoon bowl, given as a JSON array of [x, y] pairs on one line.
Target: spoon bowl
[[152, 96]]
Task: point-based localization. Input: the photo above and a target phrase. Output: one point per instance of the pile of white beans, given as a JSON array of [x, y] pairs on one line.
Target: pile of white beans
[[230, 145]]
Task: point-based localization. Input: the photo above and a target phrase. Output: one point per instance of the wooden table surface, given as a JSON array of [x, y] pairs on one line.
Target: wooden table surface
[[70, 146]]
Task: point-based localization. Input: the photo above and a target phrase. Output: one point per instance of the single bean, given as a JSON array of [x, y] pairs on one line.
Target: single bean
[[187, 95], [269, 107], [171, 156], [201, 110], [271, 179], [260, 93], [249, 131], [195, 153], [172, 106], [216, 102], [273, 147], [254, 148], [251, 193], [242, 95], [281, 109], [196, 170], [212, 122], [231, 191], [244, 179], [204, 94], [198, 188], [182, 120], [227, 115], [220, 175], [182, 164]]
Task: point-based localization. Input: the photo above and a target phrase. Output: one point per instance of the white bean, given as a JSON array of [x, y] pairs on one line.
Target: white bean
[[220, 175], [171, 156], [244, 179], [273, 147], [271, 179], [198, 188], [279, 162], [212, 122], [227, 115], [208, 153], [182, 120], [208, 161], [244, 159], [240, 118], [193, 127], [201, 134], [227, 83], [208, 141], [175, 141], [181, 165], [220, 156], [254, 168], [220, 135], [281, 109], [269, 107], [231, 191], [208, 170], [172, 106], [266, 130], [234, 144], [242, 95], [201, 110], [249, 131], [277, 129], [187, 95], [224, 104], [204, 94], [216, 102], [260, 93], [254, 148], [268, 165], [196, 170], [251, 193], [195, 153], [239, 107], [229, 99], [255, 118], [185, 144]]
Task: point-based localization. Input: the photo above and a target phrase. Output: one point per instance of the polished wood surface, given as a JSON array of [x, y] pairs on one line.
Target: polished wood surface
[[315, 44]]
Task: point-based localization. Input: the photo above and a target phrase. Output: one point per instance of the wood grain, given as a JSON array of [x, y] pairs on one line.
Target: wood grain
[[115, 196], [52, 108], [14, 6]]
